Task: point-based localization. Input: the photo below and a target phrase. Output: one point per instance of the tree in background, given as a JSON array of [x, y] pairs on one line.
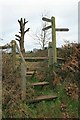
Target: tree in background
[[43, 37], [22, 32]]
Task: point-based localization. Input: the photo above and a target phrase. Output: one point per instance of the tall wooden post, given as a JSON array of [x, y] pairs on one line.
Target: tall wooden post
[[23, 82], [54, 40], [50, 54], [54, 29], [13, 43], [0, 84]]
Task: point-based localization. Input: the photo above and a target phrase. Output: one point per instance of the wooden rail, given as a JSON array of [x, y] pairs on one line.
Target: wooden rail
[[5, 47], [36, 59]]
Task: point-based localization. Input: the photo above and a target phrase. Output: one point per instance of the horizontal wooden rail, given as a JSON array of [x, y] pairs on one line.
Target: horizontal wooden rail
[[36, 59], [5, 47]]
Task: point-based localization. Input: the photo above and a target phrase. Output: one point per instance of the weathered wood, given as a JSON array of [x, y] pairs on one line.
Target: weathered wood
[[23, 82], [36, 59], [30, 72], [41, 98], [54, 29], [46, 28], [54, 40], [5, 47], [40, 83], [13, 44], [62, 59], [50, 57], [46, 19], [0, 84], [50, 54], [23, 74], [62, 29]]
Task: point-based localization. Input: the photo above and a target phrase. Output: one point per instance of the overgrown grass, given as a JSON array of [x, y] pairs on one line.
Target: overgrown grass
[[52, 109]]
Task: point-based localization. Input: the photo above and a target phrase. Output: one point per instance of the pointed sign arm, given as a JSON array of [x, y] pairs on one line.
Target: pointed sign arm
[[62, 29], [46, 19], [57, 29], [46, 28]]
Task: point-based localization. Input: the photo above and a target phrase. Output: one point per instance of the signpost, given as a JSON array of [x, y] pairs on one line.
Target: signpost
[[54, 29]]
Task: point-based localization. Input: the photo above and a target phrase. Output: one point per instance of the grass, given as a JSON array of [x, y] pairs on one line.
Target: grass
[[52, 109]]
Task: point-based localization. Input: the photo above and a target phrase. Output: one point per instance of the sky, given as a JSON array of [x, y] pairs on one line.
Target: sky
[[64, 11]]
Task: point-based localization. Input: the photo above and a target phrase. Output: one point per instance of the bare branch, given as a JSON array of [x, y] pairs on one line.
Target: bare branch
[[18, 36], [25, 21], [19, 21], [26, 30], [17, 39]]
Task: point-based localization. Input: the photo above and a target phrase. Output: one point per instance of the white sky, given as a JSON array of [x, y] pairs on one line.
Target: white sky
[[64, 11]]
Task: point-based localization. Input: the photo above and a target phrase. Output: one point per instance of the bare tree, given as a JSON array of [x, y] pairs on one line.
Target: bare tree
[[42, 37], [22, 32]]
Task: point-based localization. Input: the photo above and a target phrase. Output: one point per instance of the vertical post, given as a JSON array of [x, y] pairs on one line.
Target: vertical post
[[0, 84], [23, 82], [54, 40], [23, 75], [13, 42], [50, 54]]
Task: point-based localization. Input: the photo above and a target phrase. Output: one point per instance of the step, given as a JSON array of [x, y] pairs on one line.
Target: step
[[30, 72], [41, 98], [40, 83]]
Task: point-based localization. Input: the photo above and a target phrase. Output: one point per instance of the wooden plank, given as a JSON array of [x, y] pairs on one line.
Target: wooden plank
[[41, 98], [40, 83], [35, 58], [5, 47], [46, 19], [46, 28], [58, 58], [30, 72], [62, 29], [40, 58]]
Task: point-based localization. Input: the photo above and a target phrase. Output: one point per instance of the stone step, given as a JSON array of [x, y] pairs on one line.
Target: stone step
[[42, 98]]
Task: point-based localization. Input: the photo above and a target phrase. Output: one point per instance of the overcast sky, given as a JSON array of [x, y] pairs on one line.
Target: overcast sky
[[64, 11]]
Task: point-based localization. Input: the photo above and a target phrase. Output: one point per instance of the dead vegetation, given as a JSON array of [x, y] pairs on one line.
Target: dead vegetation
[[66, 78]]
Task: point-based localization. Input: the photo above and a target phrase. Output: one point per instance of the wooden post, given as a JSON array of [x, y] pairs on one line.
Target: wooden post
[[0, 84], [54, 29], [23, 75], [13, 43], [23, 82], [50, 54], [54, 40]]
